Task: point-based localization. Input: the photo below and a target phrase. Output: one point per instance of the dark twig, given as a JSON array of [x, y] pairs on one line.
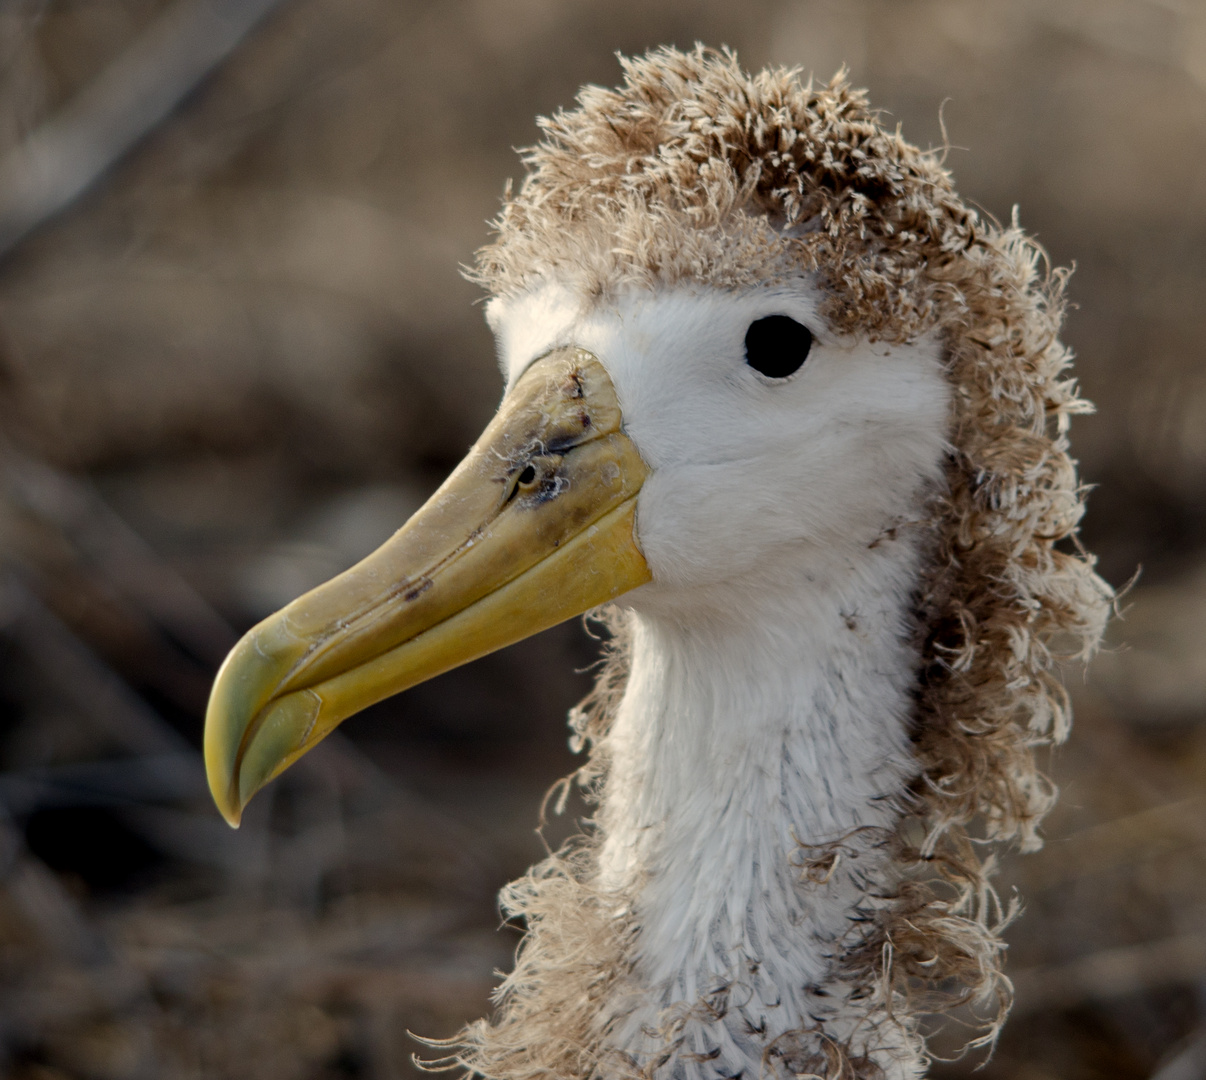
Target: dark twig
[[81, 679], [73, 508]]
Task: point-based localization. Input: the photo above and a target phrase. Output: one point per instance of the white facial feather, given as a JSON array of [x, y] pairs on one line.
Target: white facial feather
[[772, 659], [742, 464]]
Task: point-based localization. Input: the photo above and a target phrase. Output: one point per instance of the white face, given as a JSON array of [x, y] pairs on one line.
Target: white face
[[748, 474]]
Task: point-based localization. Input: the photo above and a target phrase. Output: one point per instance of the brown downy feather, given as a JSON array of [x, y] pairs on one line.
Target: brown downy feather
[[693, 171]]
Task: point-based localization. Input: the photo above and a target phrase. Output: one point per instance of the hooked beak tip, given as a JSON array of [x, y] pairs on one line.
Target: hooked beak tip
[[464, 577]]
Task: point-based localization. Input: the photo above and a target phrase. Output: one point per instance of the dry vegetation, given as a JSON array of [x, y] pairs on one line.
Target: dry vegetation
[[243, 357]]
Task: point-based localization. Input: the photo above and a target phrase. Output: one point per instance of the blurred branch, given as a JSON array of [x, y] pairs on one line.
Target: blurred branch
[[1112, 974], [1189, 1063], [73, 508], [82, 680], [1156, 831], [152, 778], [65, 156]]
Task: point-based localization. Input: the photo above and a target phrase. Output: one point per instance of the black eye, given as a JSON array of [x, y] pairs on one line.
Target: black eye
[[777, 346]]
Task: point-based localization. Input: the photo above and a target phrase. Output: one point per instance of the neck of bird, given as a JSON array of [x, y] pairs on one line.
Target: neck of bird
[[757, 760]]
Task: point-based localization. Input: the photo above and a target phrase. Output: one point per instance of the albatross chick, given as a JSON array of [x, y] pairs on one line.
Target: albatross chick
[[797, 415]]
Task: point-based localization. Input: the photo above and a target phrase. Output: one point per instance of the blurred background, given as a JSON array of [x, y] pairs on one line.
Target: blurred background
[[236, 353]]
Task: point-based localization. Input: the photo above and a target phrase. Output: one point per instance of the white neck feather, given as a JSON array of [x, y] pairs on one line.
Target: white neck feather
[[772, 665], [748, 732]]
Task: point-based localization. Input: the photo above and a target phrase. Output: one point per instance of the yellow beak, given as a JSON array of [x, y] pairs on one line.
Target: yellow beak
[[535, 526]]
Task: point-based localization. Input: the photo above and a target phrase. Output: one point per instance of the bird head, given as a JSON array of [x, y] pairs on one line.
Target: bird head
[[746, 332]]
